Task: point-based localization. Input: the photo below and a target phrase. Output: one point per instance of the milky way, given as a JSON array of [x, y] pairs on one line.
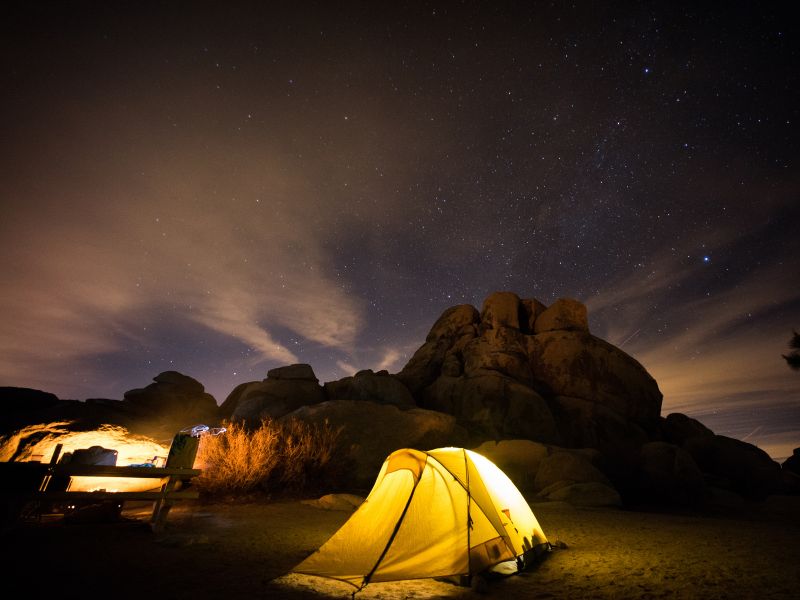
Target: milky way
[[222, 191]]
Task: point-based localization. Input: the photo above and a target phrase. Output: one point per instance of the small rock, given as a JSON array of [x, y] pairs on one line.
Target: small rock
[[345, 502]]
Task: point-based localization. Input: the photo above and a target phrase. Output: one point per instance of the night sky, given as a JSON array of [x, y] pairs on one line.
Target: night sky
[[223, 190]]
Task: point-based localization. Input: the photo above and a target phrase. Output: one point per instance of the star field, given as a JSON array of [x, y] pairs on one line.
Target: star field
[[221, 190]]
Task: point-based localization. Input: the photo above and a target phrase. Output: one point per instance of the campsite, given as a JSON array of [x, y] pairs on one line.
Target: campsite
[[245, 550], [388, 300], [397, 486]]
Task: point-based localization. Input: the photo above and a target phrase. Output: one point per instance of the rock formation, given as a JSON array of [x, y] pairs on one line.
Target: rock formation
[[173, 401], [367, 386], [285, 389], [519, 369], [566, 414], [725, 462]]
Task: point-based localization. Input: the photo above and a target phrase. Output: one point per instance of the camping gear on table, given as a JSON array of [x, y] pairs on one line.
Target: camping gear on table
[[94, 455], [446, 512]]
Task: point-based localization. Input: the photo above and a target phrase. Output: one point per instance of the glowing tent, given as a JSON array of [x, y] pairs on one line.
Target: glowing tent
[[430, 514]]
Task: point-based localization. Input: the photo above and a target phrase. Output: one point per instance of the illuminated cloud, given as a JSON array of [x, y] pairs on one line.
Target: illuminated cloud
[[92, 277], [713, 355]]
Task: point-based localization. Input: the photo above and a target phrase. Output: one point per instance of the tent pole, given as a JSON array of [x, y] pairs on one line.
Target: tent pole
[[469, 517]]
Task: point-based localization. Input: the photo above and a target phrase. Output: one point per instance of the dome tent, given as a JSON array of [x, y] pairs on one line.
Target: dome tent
[[441, 513]]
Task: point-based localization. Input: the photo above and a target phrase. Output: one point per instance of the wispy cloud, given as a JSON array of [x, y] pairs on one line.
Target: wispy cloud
[[87, 277], [710, 353]]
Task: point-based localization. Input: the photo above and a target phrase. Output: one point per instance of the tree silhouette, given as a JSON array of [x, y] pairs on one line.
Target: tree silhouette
[[793, 358]]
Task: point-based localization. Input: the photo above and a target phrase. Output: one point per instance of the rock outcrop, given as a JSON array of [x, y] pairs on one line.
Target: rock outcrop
[[519, 459], [591, 494], [668, 474], [367, 386], [21, 406], [790, 473], [452, 331], [725, 462], [736, 465], [792, 464], [173, 401], [553, 473], [566, 414], [520, 369], [566, 468], [284, 390], [493, 406], [20, 400]]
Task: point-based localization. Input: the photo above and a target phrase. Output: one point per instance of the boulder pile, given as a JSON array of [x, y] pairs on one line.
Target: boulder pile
[[567, 415]]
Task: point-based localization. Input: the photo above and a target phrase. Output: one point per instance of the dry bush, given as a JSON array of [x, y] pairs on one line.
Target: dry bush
[[305, 451], [272, 457]]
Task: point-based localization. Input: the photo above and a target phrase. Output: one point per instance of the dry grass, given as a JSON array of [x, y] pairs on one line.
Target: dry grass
[[272, 457]]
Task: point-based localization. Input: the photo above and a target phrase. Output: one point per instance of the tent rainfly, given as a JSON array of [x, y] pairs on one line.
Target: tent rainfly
[[446, 512]]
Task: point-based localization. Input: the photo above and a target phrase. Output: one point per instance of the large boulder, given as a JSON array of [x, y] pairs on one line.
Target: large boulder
[[577, 364], [531, 309], [567, 467], [370, 387], [564, 314], [500, 349], [790, 470], [501, 309], [229, 405], [524, 460], [465, 366], [21, 400], [493, 406], [284, 390], [735, 465], [589, 494], [172, 402], [519, 459], [300, 371], [668, 474], [585, 424], [677, 428], [22, 406], [371, 431], [792, 464]]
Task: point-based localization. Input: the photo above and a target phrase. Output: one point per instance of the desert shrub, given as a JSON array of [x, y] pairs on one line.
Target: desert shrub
[[273, 457], [305, 452]]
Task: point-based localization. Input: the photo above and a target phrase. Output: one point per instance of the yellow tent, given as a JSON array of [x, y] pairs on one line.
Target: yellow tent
[[430, 514]]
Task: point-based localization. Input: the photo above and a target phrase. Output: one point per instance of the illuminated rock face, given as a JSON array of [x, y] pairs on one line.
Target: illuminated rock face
[[172, 402], [503, 370]]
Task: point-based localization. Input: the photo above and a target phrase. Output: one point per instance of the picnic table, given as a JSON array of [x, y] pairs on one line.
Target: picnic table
[[22, 483]]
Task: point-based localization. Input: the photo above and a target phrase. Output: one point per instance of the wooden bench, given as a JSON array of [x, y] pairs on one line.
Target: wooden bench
[[47, 483]]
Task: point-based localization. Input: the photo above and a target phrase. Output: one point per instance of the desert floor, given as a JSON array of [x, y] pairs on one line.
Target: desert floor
[[233, 551]]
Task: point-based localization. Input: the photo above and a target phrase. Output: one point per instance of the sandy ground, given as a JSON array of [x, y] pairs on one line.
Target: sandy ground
[[246, 550]]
